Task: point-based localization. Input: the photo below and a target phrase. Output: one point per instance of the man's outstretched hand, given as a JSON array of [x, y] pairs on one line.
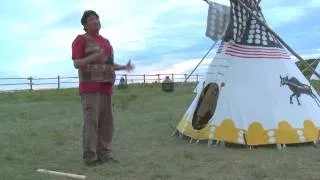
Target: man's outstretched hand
[[129, 66]]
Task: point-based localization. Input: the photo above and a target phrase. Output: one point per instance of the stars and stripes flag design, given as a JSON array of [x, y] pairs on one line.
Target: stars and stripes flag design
[[245, 28], [250, 52], [251, 38]]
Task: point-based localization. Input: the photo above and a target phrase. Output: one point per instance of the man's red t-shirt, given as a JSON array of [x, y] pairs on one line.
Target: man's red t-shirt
[[78, 46]]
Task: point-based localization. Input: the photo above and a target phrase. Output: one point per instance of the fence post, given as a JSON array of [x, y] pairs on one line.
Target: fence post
[[58, 82], [172, 77], [159, 78], [197, 78], [185, 77], [126, 79], [30, 83], [144, 78]]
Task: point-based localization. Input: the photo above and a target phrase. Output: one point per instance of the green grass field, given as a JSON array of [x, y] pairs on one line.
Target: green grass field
[[42, 129]]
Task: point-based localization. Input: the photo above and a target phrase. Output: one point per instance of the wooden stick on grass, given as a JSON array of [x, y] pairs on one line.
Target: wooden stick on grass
[[75, 176]]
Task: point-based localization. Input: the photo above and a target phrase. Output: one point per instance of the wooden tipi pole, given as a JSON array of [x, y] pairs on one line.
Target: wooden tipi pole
[[311, 64], [201, 60]]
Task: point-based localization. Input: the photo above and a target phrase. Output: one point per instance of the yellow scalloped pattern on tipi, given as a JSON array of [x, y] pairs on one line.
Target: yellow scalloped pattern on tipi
[[257, 135], [285, 134], [227, 131], [310, 131]]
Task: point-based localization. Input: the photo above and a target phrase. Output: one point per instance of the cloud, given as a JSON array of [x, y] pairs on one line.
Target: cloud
[[179, 67], [128, 29], [34, 63], [19, 28], [185, 66], [54, 41], [280, 13], [136, 32], [224, 2], [123, 10], [52, 49], [314, 3], [162, 36], [306, 56], [129, 35], [39, 3], [279, 16]]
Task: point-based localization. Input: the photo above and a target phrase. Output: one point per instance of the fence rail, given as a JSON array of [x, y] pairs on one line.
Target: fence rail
[[59, 82]]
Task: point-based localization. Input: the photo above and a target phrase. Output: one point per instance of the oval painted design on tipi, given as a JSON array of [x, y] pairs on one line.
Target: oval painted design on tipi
[[206, 106]]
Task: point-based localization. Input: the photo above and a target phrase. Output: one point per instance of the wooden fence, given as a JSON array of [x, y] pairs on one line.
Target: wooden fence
[[33, 83]]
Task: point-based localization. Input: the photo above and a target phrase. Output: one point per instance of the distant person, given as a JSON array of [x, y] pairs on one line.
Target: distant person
[[122, 84], [92, 55]]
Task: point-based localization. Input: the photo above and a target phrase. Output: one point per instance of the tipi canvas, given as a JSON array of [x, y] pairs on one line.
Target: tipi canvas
[[253, 93]]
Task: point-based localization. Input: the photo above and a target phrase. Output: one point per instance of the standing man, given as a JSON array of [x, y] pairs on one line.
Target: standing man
[[92, 55]]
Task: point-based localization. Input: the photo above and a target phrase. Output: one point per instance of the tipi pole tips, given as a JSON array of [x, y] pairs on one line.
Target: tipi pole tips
[[174, 133], [315, 144], [206, 1], [279, 147]]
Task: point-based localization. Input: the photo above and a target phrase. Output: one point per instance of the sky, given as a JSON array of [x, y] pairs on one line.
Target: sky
[[160, 36]]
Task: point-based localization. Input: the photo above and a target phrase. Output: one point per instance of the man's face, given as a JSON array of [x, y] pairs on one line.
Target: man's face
[[93, 24]]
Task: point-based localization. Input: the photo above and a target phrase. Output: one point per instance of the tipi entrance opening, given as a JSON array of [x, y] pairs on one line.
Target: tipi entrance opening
[[206, 106]]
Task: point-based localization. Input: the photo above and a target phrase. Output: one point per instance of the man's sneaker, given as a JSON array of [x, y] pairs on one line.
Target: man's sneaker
[[92, 162], [108, 160]]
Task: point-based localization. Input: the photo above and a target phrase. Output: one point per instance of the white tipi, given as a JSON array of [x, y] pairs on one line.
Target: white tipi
[[253, 93]]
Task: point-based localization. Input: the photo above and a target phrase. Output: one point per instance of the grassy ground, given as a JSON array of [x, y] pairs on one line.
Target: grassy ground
[[42, 129]]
